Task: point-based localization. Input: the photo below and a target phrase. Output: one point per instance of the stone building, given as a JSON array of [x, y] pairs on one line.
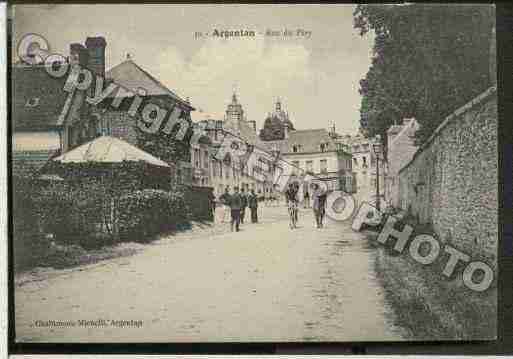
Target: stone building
[[117, 122], [277, 125], [364, 166], [400, 151], [207, 170], [311, 150], [47, 120]]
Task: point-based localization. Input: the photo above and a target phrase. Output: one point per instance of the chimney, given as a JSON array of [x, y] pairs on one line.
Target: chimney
[[96, 50], [78, 55]]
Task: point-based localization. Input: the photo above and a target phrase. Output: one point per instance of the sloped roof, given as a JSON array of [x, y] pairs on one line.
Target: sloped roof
[[309, 140], [108, 150], [131, 76], [408, 129], [38, 99]]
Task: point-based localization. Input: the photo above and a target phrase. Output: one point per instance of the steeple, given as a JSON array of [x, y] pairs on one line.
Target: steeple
[[278, 105], [234, 113]]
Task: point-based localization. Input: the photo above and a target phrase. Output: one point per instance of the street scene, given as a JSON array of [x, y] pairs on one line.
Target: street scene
[[282, 285], [205, 173]]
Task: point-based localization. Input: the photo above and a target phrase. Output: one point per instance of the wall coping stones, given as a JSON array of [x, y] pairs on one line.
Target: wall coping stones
[[456, 114]]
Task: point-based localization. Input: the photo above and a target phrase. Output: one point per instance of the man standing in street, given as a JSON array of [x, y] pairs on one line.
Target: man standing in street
[[225, 202], [253, 206], [235, 206], [319, 204], [244, 205]]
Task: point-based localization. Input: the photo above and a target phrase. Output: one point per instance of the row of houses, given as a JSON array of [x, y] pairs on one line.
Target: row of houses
[[313, 151], [48, 121]]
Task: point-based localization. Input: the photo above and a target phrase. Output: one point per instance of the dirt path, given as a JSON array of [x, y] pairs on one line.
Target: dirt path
[[265, 283]]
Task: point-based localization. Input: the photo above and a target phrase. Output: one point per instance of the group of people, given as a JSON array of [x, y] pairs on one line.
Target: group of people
[[236, 203], [319, 197]]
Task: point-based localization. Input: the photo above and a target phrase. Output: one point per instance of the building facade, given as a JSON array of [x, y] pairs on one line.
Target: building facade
[[211, 172], [312, 151], [47, 120], [364, 166], [118, 123], [400, 151]]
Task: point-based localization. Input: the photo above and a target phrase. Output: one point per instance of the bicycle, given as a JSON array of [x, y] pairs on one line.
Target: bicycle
[[293, 214]]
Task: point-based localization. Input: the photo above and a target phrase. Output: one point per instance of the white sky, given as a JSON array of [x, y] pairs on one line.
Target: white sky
[[316, 78]]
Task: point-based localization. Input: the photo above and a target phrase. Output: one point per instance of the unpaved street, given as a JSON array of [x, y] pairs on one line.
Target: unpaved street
[[265, 283]]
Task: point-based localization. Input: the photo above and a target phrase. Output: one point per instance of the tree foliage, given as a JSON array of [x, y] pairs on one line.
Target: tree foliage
[[167, 147], [427, 61]]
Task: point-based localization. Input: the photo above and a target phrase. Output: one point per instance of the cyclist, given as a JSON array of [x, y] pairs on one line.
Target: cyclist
[[292, 203]]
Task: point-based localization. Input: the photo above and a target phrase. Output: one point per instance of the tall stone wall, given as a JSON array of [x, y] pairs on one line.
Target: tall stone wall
[[451, 182]]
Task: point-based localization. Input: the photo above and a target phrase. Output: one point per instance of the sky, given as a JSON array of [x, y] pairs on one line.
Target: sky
[[316, 77]]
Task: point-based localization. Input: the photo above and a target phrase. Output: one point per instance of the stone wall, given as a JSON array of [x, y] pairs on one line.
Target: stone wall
[[451, 182]]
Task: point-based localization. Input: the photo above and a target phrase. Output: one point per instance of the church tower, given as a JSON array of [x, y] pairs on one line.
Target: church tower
[[277, 125], [234, 113]]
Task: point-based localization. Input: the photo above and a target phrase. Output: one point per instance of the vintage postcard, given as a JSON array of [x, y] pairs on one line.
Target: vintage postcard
[[253, 173]]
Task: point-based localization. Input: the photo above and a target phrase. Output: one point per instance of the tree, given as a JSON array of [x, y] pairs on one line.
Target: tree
[[427, 61], [167, 147]]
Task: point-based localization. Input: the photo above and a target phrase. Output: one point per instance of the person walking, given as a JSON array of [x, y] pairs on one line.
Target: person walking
[[306, 199], [225, 202], [319, 204], [212, 205], [244, 199], [253, 206], [292, 201], [235, 207]]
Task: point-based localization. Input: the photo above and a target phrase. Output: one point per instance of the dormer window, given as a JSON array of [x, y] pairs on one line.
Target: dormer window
[[32, 102]]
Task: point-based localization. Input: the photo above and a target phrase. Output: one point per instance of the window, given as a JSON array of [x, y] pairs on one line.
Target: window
[[364, 159], [324, 166], [355, 160], [214, 168], [196, 157], [296, 148], [220, 164], [106, 128], [323, 147], [206, 159], [296, 167], [309, 166]]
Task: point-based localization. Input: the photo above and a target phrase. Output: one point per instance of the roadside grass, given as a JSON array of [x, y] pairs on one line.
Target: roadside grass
[[428, 305]]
